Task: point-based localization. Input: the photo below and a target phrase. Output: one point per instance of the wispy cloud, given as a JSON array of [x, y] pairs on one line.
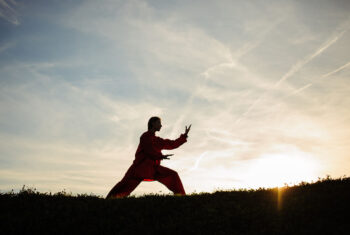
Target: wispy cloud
[[295, 68], [299, 65], [8, 12], [76, 118], [323, 76], [6, 46]]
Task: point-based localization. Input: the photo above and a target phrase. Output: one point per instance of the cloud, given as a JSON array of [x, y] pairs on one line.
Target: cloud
[[296, 67], [8, 12], [67, 130], [6, 46], [80, 116], [301, 63]]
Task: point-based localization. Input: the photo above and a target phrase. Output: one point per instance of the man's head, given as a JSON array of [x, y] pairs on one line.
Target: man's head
[[154, 123]]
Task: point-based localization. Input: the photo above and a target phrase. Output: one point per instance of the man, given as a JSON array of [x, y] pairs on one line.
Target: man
[[146, 166]]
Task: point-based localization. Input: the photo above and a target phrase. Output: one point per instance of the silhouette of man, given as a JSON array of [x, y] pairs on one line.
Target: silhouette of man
[[146, 166]]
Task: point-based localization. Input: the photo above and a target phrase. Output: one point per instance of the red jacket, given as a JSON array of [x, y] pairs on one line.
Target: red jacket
[[148, 154]]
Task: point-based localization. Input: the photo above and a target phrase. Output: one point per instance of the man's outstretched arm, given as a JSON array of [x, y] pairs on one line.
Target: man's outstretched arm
[[171, 144]]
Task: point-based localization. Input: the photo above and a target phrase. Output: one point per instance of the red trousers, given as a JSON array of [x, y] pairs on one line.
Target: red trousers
[[164, 175]]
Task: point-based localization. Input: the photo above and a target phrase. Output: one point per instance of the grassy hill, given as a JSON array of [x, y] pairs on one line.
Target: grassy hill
[[317, 208]]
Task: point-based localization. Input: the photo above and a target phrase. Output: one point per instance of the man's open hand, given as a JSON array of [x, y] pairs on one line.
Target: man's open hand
[[187, 129]]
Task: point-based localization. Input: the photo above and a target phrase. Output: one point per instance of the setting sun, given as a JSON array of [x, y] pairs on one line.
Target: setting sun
[[274, 170]]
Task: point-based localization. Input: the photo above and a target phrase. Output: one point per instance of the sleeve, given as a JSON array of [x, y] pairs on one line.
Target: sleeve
[[148, 148], [171, 144]]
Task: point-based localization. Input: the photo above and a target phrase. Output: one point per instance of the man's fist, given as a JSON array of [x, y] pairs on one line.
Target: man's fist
[[167, 155]]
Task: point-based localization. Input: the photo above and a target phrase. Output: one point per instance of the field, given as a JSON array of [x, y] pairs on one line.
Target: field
[[308, 208]]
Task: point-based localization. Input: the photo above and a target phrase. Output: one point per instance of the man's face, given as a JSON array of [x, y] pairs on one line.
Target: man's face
[[157, 124]]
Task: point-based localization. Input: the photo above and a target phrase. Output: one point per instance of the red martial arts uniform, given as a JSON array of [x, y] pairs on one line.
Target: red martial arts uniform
[[146, 166]]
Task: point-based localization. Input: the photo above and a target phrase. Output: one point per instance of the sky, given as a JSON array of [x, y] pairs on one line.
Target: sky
[[265, 85]]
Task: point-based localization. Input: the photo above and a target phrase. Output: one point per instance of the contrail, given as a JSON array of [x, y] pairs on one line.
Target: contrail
[[303, 62], [300, 89], [197, 161], [229, 151], [323, 76], [246, 48], [293, 93], [295, 68], [337, 70], [250, 108], [232, 62]]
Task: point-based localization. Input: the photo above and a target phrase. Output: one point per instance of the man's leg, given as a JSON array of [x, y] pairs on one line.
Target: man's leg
[[124, 187], [170, 179]]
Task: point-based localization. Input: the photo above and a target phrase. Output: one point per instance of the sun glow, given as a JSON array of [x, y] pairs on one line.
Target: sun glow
[[275, 170]]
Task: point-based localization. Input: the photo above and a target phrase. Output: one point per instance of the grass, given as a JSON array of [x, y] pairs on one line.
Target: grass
[[308, 208]]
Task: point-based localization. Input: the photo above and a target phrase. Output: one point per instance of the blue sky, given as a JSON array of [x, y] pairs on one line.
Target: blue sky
[[264, 84]]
